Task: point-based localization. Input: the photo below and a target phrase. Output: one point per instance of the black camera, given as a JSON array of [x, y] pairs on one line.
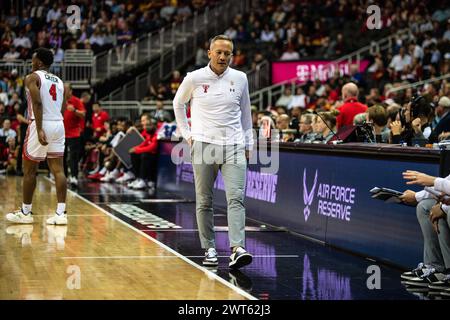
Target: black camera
[[365, 132]]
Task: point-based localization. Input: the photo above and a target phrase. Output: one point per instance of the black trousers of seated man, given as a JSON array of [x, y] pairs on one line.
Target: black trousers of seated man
[[144, 166]]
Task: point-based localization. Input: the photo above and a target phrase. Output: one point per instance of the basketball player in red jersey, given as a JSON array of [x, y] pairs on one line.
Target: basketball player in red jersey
[[45, 136]]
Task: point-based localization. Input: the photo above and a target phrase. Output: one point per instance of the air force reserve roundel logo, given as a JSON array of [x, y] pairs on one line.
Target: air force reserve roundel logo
[[308, 197]]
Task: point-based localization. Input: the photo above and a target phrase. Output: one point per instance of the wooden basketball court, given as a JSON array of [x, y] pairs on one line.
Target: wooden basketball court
[[96, 256]]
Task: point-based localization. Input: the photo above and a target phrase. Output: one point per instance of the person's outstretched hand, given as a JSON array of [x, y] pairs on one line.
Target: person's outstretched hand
[[415, 177]]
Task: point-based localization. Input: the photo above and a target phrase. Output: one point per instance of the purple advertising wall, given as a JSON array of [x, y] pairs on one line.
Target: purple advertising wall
[[326, 197]]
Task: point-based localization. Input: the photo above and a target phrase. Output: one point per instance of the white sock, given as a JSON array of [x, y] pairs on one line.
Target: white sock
[[26, 208], [61, 208], [103, 170], [115, 171]]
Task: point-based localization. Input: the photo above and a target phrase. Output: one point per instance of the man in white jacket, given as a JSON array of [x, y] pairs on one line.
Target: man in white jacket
[[433, 216]]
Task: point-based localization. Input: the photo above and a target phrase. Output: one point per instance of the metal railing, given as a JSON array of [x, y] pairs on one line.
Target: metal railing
[[259, 77], [176, 47], [131, 109], [418, 83], [267, 95], [77, 73]]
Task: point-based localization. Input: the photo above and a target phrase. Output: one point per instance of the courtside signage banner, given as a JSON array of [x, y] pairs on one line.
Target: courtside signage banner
[[324, 197], [310, 70]]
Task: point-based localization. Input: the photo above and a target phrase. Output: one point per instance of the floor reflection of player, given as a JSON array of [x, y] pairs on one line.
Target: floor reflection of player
[[22, 232]]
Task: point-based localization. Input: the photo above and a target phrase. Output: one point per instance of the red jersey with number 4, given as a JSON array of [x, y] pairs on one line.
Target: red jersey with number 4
[[51, 90], [73, 124]]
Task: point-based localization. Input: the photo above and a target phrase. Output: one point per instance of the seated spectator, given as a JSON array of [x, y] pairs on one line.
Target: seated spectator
[[433, 214], [12, 54], [299, 99], [231, 32], [399, 62], [322, 127], [282, 125], [22, 40], [3, 97], [111, 163], [373, 97], [444, 123], [160, 115], [306, 128], [144, 156], [6, 130], [392, 111], [351, 106], [280, 110], [290, 54], [13, 154], [378, 117], [267, 35], [282, 122], [285, 99]]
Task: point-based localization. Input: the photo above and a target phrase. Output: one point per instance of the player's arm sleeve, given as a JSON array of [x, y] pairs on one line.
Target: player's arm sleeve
[[182, 97], [246, 117]]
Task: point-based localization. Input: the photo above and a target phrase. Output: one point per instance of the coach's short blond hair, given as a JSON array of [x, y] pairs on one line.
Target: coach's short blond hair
[[221, 37]]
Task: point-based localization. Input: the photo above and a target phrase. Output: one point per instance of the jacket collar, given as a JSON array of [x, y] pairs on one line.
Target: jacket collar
[[213, 74]]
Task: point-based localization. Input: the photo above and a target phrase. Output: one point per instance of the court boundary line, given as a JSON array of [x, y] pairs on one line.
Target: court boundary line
[[169, 257], [162, 245]]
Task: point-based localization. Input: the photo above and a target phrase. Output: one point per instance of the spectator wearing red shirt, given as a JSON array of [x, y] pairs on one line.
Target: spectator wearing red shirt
[[73, 125], [351, 106], [144, 156], [99, 117]]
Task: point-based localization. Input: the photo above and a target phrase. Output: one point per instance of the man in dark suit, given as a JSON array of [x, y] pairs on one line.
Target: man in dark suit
[[444, 123]]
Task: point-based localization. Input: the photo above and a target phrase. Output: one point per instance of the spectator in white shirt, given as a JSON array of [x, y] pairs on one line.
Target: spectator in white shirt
[[54, 13], [267, 35], [167, 11], [6, 130], [415, 51], [3, 97], [446, 35], [434, 220], [290, 54], [299, 99], [231, 32], [12, 54], [400, 60], [285, 99], [428, 40], [22, 41]]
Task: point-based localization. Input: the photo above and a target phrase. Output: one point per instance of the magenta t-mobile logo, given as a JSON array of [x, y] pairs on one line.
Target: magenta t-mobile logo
[[308, 197]]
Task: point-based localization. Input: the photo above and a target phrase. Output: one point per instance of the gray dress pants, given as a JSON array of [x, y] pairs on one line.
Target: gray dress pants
[[207, 160]]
